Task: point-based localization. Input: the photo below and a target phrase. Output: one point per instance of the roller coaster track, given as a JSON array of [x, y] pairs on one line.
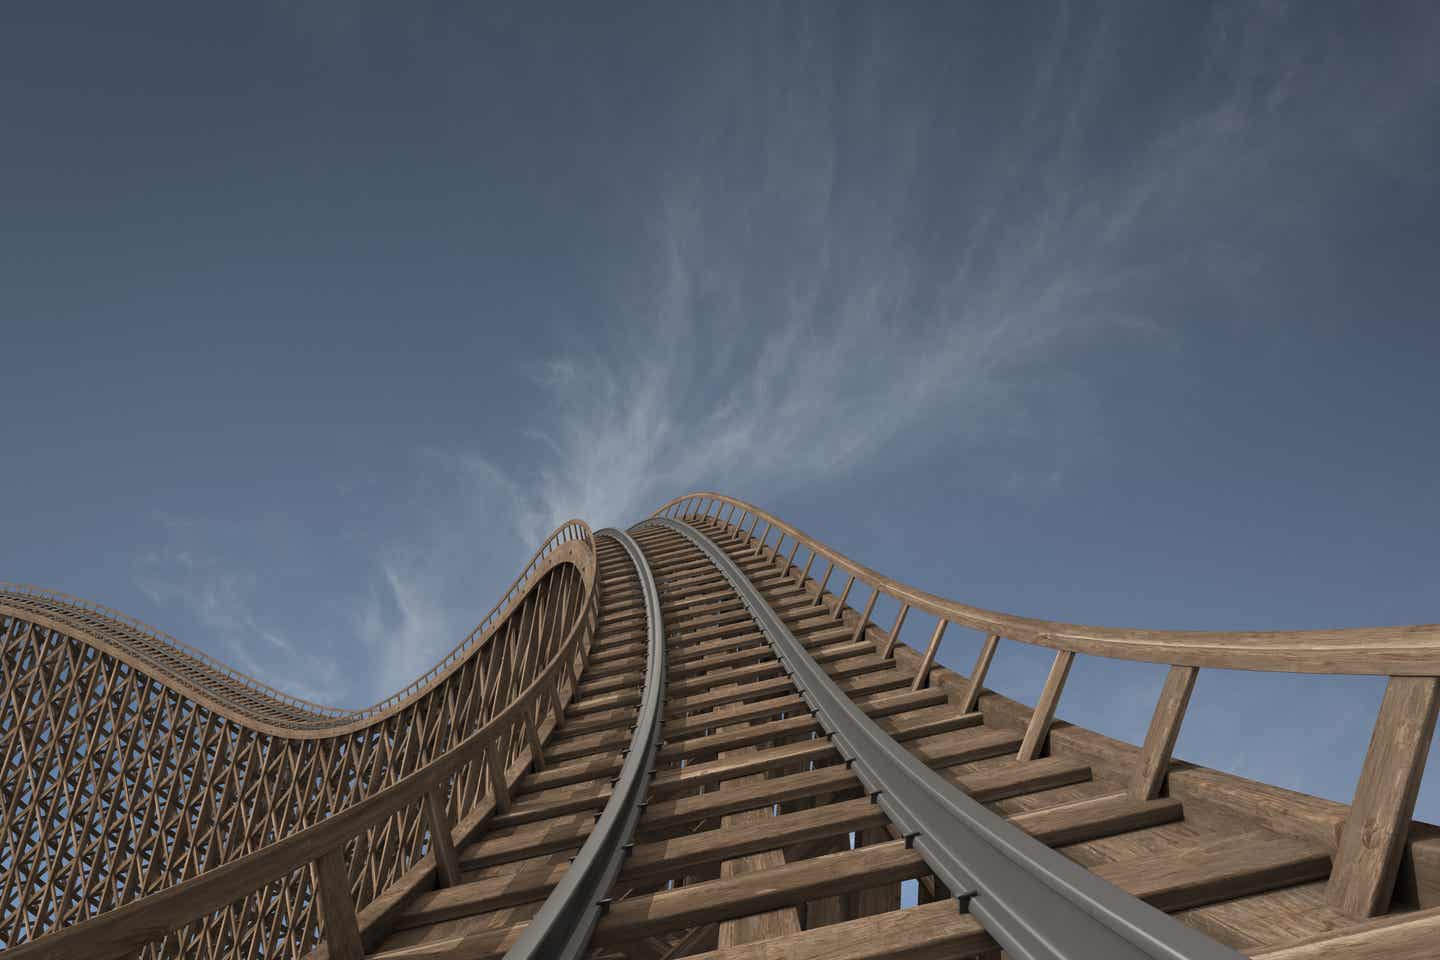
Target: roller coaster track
[[706, 737]]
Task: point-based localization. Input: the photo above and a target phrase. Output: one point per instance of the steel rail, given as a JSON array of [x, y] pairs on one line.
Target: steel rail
[[561, 929], [1035, 902]]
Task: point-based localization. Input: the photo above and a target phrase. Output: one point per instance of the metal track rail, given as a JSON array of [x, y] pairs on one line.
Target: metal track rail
[[1035, 902], [561, 929]]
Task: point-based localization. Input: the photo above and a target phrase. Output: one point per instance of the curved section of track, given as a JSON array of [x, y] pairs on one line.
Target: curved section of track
[[561, 929], [1035, 902]]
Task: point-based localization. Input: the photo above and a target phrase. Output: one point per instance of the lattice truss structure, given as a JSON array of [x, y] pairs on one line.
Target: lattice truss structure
[[131, 763]]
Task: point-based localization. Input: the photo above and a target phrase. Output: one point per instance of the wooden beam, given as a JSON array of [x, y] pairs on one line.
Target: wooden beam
[[788, 885], [935, 930], [922, 676], [1044, 713], [1164, 730], [332, 886], [447, 861], [1373, 838], [977, 677], [1405, 936]]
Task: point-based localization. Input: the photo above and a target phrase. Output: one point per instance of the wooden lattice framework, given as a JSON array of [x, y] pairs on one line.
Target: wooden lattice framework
[[132, 762]]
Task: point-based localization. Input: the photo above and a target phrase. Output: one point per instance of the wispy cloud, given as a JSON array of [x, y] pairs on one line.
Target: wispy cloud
[[184, 573]]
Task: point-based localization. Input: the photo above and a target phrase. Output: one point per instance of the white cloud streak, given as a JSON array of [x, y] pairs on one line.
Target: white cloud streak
[[223, 600]]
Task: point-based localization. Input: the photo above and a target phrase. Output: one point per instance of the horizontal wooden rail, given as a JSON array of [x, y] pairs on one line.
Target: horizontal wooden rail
[[1376, 651]]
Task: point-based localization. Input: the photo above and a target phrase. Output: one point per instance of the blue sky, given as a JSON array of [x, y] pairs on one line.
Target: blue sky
[[316, 317]]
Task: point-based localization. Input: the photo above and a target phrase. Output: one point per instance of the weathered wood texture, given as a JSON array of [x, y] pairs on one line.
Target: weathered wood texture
[[743, 847], [1373, 839]]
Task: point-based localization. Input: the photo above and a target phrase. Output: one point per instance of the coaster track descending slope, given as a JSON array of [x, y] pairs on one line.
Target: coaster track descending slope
[[742, 764]]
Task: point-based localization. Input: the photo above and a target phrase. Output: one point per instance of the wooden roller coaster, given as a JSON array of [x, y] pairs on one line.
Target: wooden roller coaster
[[690, 739]]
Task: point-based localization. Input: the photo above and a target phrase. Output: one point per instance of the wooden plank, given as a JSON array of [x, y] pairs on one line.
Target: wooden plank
[[933, 931], [679, 779], [1154, 761], [1044, 713], [481, 896], [1016, 779], [1408, 936], [505, 845], [767, 890], [663, 814], [1375, 831], [1235, 866], [670, 857], [1097, 817]]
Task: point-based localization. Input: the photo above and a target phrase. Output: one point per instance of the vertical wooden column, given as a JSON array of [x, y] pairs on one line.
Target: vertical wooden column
[[1373, 838], [447, 859], [1164, 731], [332, 885], [1044, 713]]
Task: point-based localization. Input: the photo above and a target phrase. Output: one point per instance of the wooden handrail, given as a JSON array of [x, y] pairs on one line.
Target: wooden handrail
[[1378, 651]]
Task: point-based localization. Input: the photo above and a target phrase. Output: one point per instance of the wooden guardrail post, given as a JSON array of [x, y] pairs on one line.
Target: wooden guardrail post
[[922, 676], [864, 617], [824, 582], [977, 676], [332, 884], [1164, 731], [498, 786], [1372, 841], [447, 860], [532, 738], [1044, 714], [889, 650]]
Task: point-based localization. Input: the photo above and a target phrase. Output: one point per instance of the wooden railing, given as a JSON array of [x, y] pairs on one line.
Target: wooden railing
[[501, 750], [1372, 841], [388, 789]]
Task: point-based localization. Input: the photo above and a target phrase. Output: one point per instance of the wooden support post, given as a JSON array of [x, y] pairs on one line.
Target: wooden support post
[[447, 861], [844, 595], [806, 572], [889, 650], [865, 617], [497, 776], [760, 544], [1044, 713], [332, 885], [922, 678], [977, 676], [820, 594], [1164, 730], [532, 737], [1373, 838]]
